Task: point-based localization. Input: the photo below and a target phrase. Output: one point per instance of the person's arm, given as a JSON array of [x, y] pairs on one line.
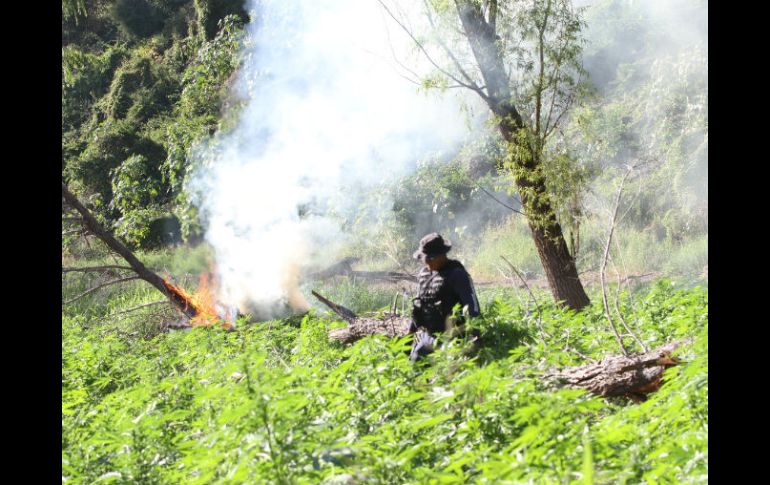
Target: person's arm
[[463, 286]]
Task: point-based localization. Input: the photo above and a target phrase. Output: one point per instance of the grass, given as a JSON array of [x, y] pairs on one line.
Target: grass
[[634, 252]]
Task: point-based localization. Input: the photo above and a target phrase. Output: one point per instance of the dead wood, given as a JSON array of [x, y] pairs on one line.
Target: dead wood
[[175, 325], [137, 266], [340, 310], [391, 325], [631, 376]]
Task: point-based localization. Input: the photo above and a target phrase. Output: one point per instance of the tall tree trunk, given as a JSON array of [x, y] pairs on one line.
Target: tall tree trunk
[[558, 263]]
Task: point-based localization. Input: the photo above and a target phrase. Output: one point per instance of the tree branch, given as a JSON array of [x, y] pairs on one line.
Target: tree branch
[[139, 268], [472, 87], [91, 290], [499, 201], [541, 75], [604, 263], [139, 307], [620, 315], [95, 268], [451, 55]]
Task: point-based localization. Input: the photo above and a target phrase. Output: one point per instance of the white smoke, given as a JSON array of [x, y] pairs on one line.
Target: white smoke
[[328, 115]]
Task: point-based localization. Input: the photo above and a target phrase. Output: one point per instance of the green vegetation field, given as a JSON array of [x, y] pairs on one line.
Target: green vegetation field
[[278, 402]]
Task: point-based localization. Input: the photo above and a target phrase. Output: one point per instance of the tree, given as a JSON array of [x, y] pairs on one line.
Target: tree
[[523, 60]]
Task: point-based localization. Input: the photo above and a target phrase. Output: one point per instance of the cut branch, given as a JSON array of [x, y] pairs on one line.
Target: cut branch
[[392, 276], [340, 310]]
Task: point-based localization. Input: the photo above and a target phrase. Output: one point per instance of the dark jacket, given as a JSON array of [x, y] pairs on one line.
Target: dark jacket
[[439, 291]]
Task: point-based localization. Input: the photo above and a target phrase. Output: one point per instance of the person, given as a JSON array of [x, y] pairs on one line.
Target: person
[[442, 284]]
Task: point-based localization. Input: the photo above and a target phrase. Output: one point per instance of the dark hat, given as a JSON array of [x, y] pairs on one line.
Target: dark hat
[[432, 245]]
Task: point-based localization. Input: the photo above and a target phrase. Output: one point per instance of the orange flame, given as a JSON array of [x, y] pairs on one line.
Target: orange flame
[[202, 302]]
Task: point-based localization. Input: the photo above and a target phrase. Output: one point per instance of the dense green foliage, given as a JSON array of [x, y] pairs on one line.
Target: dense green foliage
[[279, 403], [142, 81]]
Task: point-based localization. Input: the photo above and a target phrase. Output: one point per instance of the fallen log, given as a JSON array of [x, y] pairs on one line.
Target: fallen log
[[93, 225], [390, 325], [632, 376]]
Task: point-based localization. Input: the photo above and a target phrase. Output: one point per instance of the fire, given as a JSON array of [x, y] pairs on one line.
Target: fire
[[201, 306]]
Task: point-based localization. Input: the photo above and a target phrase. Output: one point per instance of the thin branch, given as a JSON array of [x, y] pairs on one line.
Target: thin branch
[[541, 75], [72, 219], [567, 348], [472, 87], [620, 315], [499, 201], [570, 98], [448, 51], [532, 295], [395, 58], [91, 290], [95, 268], [139, 307], [511, 280], [556, 122], [604, 263]]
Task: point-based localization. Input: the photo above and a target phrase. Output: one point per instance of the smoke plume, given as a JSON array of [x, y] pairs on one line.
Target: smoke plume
[[328, 115]]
